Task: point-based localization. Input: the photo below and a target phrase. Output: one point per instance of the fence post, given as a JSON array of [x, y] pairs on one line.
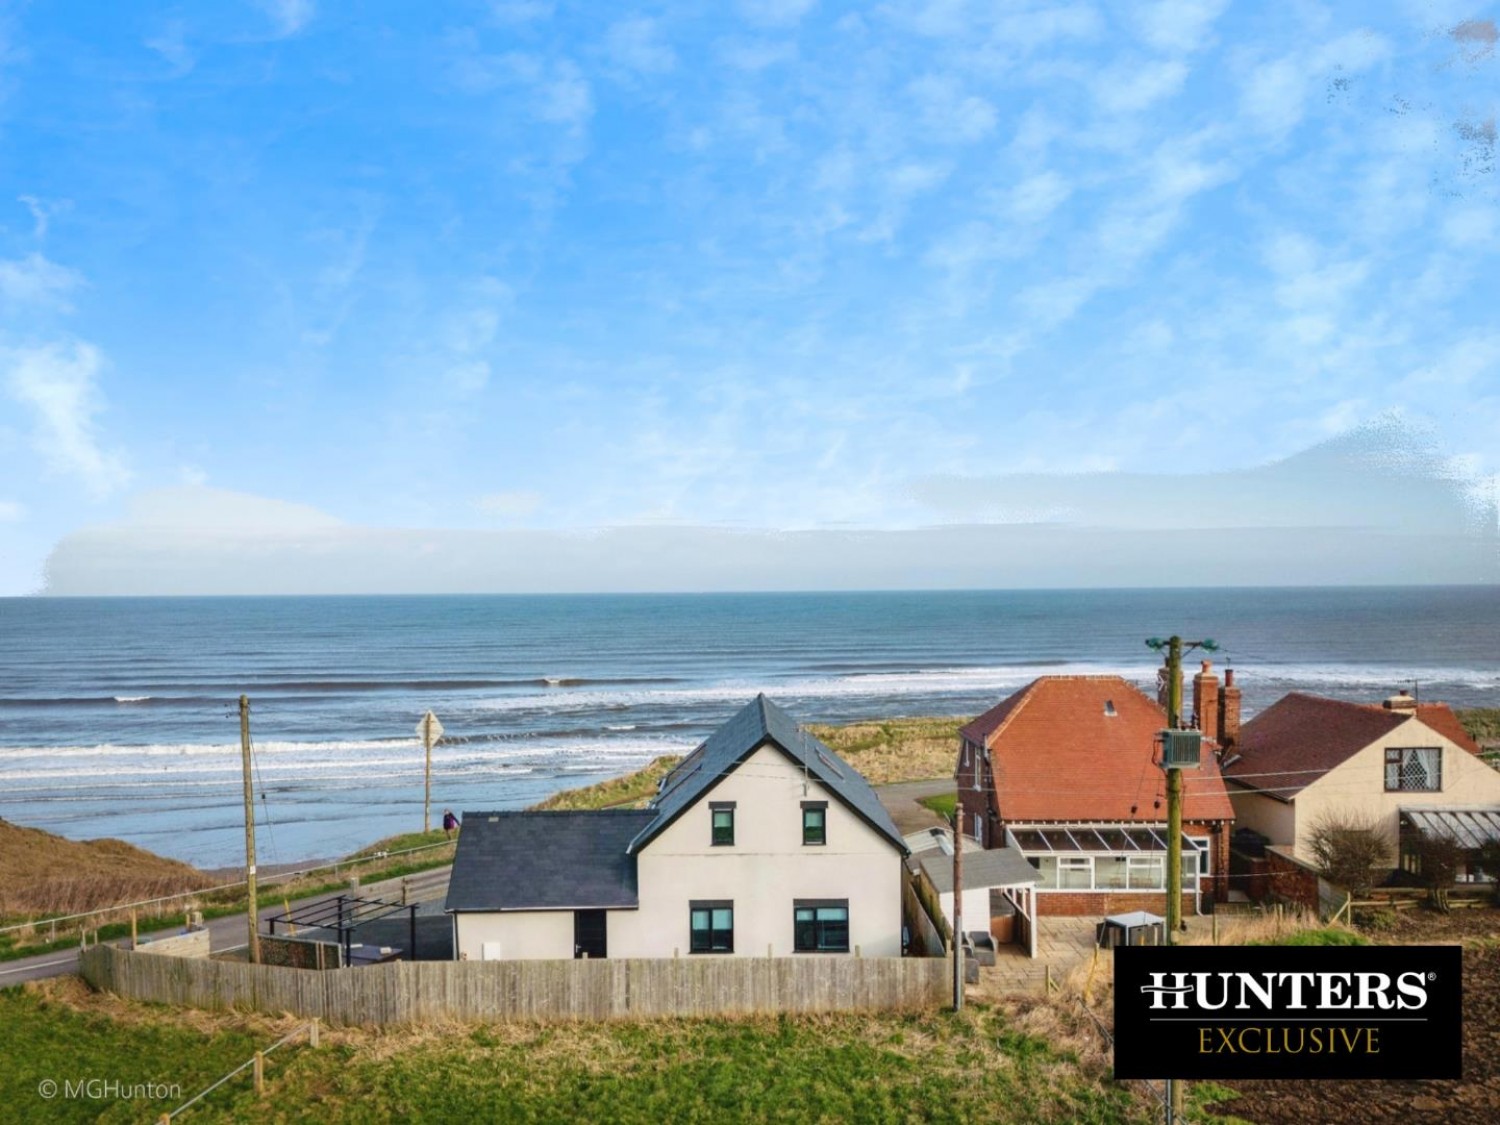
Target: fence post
[[1047, 979], [312, 1033], [260, 1073]]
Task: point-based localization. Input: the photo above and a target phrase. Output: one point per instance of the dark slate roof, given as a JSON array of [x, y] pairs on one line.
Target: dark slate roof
[[757, 723], [994, 867], [546, 860]]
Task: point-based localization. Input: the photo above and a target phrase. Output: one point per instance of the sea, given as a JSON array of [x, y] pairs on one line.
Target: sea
[[119, 716]]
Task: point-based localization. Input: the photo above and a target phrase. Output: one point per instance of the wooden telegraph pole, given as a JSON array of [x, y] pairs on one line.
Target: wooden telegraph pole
[[958, 907], [1175, 753], [1174, 794], [249, 829], [429, 730]]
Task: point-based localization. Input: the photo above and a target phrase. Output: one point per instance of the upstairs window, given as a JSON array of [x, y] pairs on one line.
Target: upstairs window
[[815, 822], [1413, 769], [722, 815], [712, 926], [820, 925]]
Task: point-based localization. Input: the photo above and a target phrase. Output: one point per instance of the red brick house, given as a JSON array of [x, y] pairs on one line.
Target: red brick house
[[1066, 771]]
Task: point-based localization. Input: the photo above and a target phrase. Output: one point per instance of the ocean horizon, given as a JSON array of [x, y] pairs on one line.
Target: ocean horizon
[[118, 716]]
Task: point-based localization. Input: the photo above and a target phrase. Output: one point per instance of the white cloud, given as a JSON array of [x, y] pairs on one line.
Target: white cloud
[[635, 43], [1273, 98], [513, 504], [565, 96], [11, 511], [949, 112], [1133, 87], [289, 16], [1036, 197], [1178, 25], [41, 212], [199, 508], [775, 12], [559, 92], [1273, 95], [34, 280], [754, 55], [171, 44], [59, 384], [468, 378]]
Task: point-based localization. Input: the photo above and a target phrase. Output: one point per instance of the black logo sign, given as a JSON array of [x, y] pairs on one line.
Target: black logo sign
[[1288, 1011]]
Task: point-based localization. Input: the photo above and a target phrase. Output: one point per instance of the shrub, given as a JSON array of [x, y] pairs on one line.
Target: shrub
[[1377, 921], [1352, 850]]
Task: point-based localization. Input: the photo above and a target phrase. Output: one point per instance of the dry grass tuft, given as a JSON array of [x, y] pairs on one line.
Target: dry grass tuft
[[896, 749], [1257, 929], [631, 789]]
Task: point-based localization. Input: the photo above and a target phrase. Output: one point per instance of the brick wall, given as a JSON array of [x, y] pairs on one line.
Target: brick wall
[[1100, 903], [1289, 880]]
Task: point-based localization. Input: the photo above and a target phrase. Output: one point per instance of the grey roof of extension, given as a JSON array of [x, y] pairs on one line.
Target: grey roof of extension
[[759, 722], [575, 860], [994, 867]]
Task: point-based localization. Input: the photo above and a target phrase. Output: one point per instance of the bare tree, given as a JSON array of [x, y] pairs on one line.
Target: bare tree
[[1352, 850]]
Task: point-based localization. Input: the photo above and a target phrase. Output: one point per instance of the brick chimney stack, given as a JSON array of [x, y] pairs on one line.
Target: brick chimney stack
[[1403, 703], [1206, 701], [1229, 713]]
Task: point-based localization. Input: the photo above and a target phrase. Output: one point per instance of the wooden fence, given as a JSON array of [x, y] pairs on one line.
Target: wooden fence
[[417, 991]]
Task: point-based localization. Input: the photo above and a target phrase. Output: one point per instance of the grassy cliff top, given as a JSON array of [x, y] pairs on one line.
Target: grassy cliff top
[[41, 873]]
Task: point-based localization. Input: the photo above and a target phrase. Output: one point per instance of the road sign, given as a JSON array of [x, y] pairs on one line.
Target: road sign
[[429, 729]]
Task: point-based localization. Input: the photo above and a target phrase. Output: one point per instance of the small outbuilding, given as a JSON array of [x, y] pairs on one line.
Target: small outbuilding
[[1139, 927]]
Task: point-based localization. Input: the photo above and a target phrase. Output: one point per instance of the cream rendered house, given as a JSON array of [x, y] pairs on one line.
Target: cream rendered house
[[1306, 758], [762, 842]]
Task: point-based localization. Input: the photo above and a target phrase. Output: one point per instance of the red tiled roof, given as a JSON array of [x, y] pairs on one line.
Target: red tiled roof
[[1299, 738], [1056, 754], [1440, 717]]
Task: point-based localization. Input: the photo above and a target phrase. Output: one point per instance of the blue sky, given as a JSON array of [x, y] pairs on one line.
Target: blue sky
[[781, 265]]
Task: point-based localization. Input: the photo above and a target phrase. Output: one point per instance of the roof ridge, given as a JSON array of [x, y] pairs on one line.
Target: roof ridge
[[1025, 694], [548, 812]]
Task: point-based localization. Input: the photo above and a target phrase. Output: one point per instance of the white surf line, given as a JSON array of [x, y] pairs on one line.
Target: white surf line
[[44, 965]]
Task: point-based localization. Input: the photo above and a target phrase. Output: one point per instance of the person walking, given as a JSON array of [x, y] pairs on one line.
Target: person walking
[[450, 823]]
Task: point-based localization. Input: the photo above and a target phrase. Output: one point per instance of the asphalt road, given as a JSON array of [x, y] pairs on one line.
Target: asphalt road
[[229, 932]]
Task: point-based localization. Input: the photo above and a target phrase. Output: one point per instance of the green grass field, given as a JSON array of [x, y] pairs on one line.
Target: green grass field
[[876, 1068], [944, 804]]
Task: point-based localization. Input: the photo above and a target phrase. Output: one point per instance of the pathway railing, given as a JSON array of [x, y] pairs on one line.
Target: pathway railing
[[284, 876]]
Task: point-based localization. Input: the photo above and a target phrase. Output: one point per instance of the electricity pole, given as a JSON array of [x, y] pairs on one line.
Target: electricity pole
[[1174, 794], [254, 950], [1175, 647], [958, 906]]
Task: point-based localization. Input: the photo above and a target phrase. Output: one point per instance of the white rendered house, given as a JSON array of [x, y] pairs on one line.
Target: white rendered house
[[762, 842]]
